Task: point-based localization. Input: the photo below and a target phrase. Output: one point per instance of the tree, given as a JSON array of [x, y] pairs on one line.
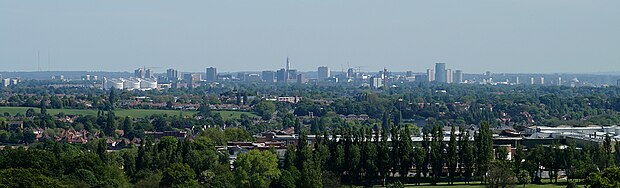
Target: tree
[[19, 177], [523, 177], [437, 155], [518, 159], [406, 153], [484, 148], [452, 155], [500, 176], [610, 177], [265, 109], [256, 169], [43, 106], [469, 157], [178, 174]]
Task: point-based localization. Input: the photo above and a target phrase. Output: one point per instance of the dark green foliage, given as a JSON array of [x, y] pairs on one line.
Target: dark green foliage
[[180, 175], [19, 177]]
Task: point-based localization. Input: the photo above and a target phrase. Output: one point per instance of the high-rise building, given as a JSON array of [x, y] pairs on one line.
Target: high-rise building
[[440, 73], [139, 73], [409, 74], [148, 73], [172, 74], [458, 76], [559, 81], [431, 74], [301, 79], [287, 70], [517, 82], [350, 73], [281, 75], [268, 76], [323, 73], [6, 82], [192, 79], [292, 75], [211, 74], [376, 82], [542, 80], [531, 80], [449, 76]]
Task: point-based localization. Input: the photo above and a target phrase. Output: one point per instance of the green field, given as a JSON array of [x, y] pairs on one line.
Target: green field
[[123, 112], [476, 185]]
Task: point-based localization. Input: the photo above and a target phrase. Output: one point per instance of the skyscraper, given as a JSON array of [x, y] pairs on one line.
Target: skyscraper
[[458, 76], [323, 73], [268, 76], [449, 76], [301, 79], [192, 79], [172, 74], [440, 73], [148, 73], [287, 69], [350, 73], [282, 75], [211, 74], [431, 74], [139, 73]]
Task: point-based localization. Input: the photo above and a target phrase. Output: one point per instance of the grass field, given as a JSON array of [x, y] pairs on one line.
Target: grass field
[[123, 112], [546, 184]]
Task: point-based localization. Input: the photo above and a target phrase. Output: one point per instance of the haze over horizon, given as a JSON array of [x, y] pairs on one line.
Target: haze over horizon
[[500, 36]]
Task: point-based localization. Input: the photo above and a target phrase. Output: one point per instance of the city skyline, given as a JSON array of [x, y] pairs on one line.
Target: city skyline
[[558, 36]]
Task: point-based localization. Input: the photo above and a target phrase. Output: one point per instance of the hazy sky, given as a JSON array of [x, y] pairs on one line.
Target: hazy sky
[[473, 35]]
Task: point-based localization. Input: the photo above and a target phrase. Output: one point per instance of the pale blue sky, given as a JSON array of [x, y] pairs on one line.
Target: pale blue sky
[[473, 35]]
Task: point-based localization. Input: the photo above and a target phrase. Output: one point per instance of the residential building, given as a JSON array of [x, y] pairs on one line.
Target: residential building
[[211, 74]]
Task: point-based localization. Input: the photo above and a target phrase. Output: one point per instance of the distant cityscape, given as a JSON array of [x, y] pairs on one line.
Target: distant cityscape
[[146, 78]]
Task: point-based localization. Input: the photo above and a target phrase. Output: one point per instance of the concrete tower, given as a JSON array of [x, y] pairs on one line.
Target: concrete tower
[[440, 73]]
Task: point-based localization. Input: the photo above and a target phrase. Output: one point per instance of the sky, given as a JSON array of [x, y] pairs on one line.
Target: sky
[[513, 36]]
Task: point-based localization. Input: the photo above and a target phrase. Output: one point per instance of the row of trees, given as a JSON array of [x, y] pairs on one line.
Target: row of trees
[[362, 157]]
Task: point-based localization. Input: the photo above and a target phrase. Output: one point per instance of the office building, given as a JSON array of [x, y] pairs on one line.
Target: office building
[[458, 76], [542, 80], [431, 74], [559, 81], [440, 73], [172, 74], [301, 79], [323, 72], [6, 82], [376, 82], [139, 73], [191, 79], [268, 76], [292, 75], [211, 74], [350, 73], [449, 76], [149, 74], [281, 76]]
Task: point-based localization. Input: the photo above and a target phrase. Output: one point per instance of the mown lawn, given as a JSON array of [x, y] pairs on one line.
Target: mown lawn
[[478, 185], [123, 112]]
